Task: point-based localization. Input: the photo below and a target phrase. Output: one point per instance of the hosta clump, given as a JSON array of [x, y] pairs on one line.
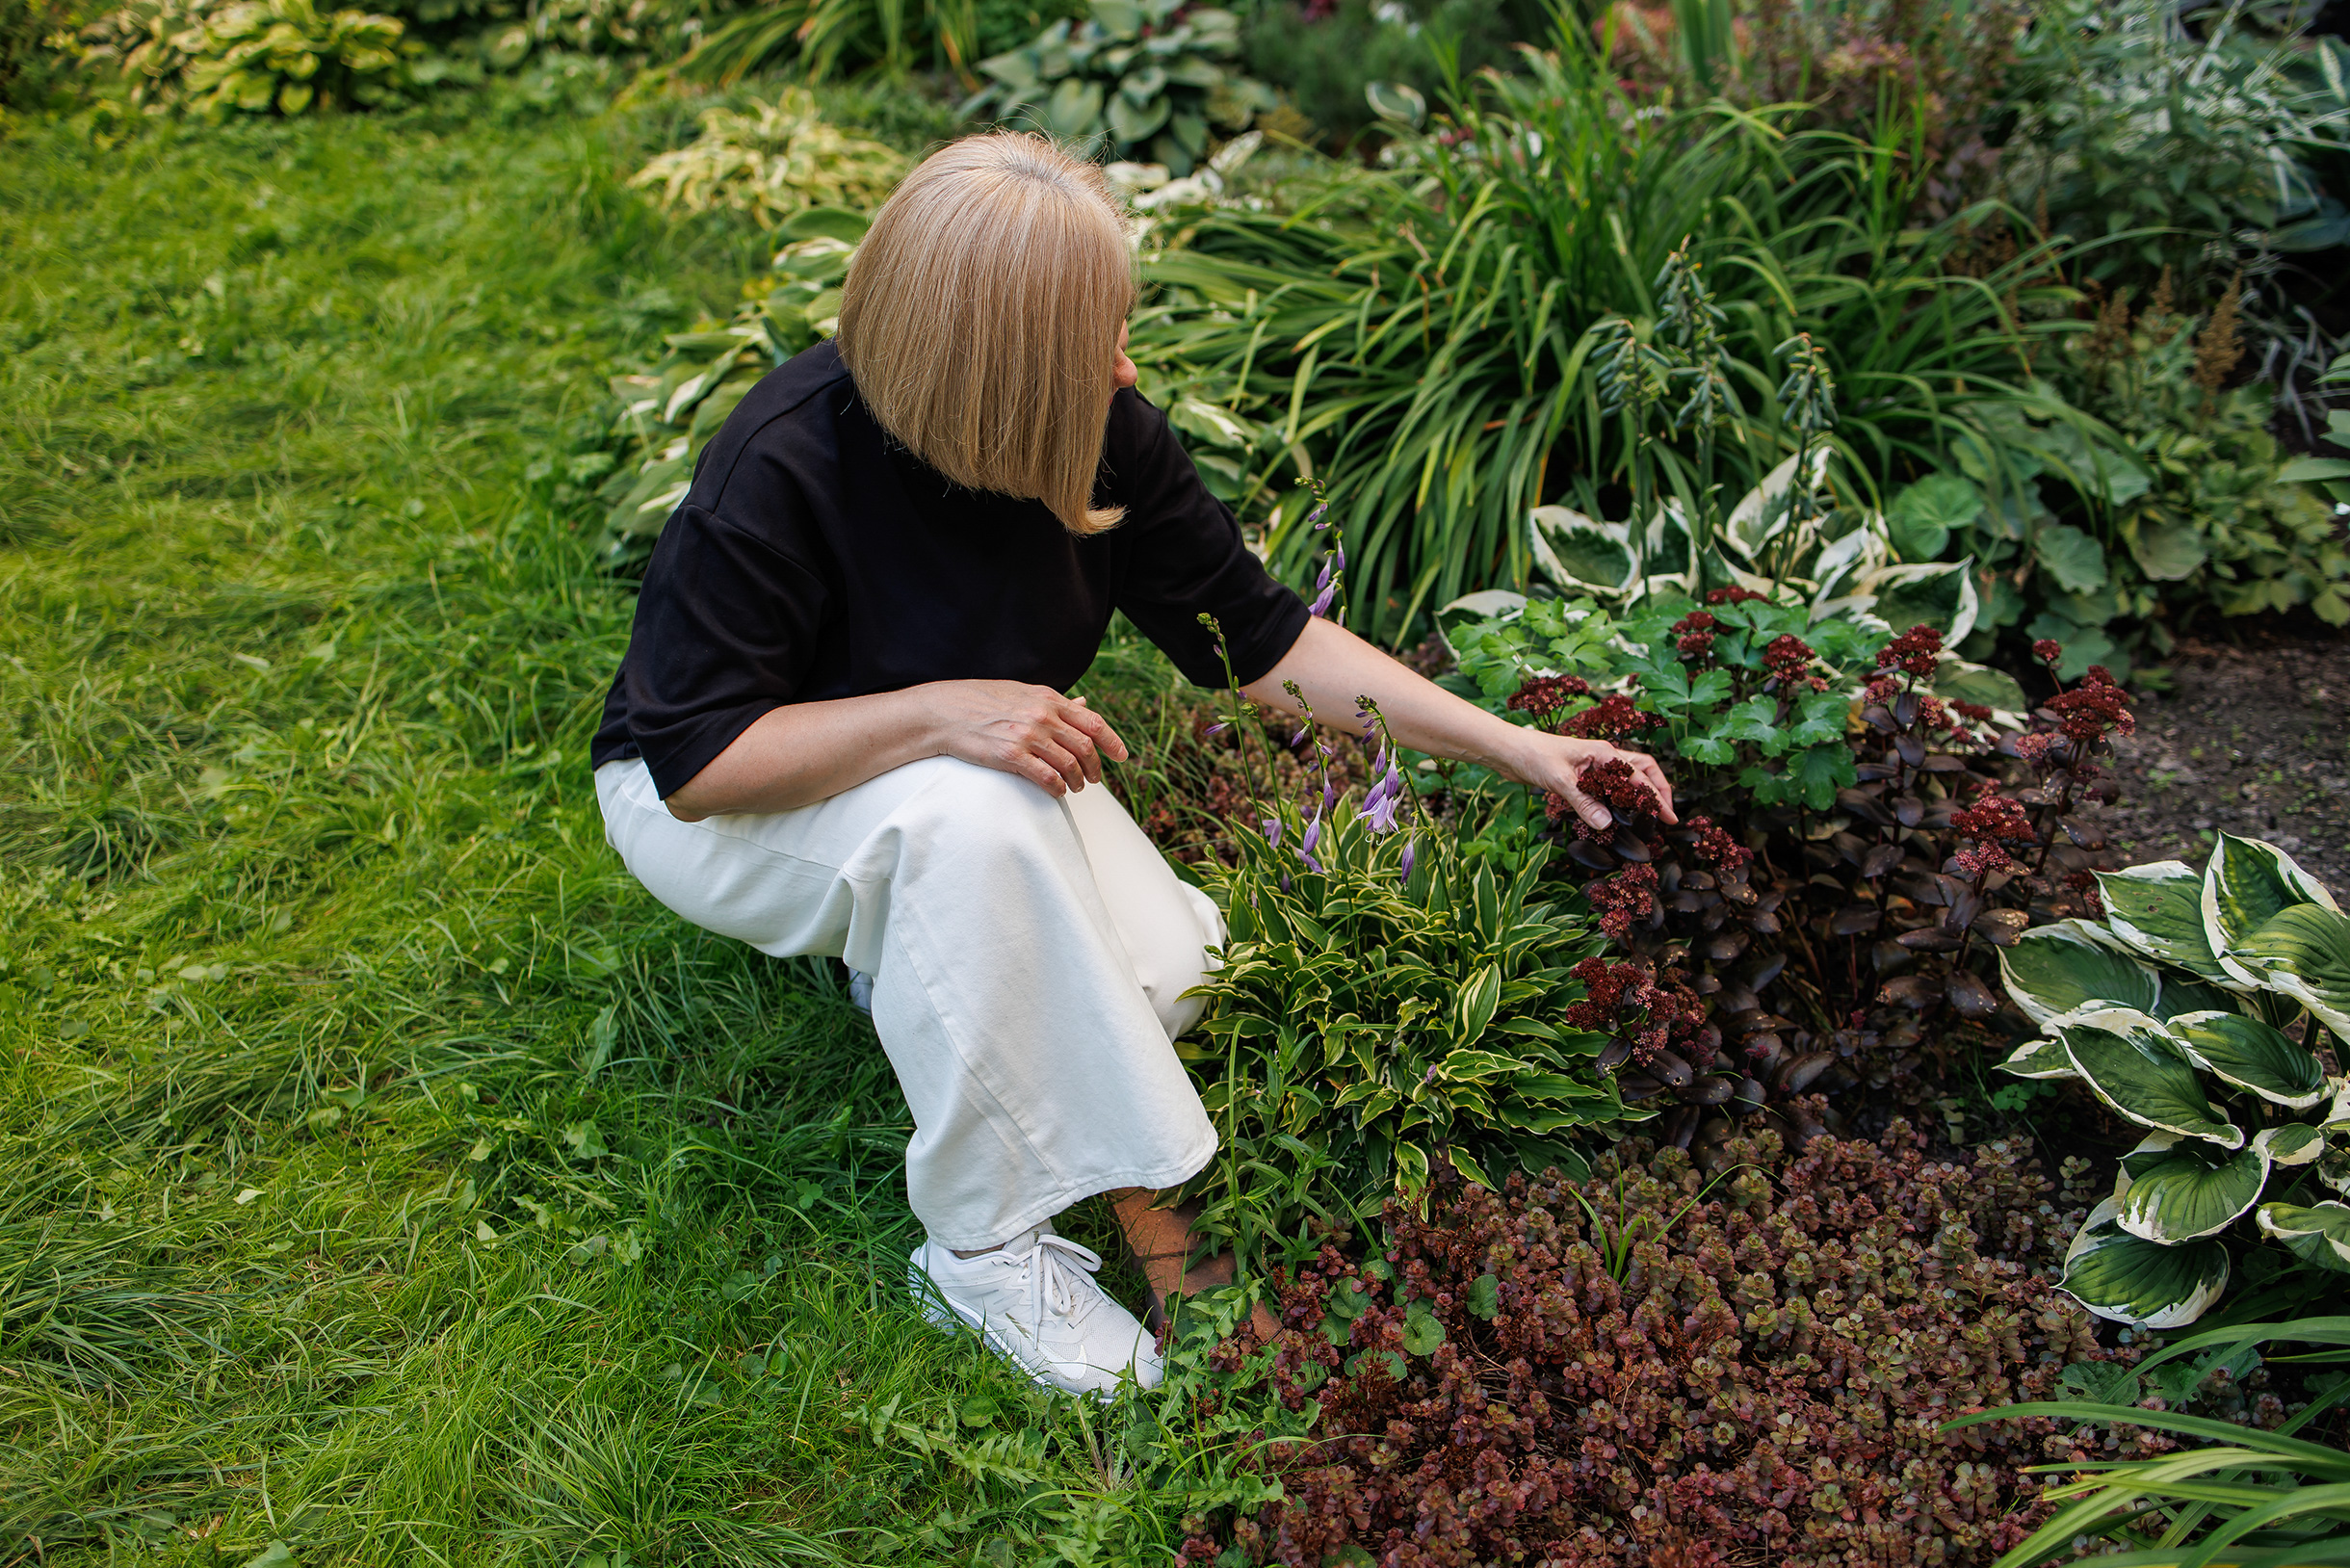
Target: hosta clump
[[640, 459], [1652, 1367], [249, 56], [1143, 80], [2208, 1008], [773, 161], [1858, 875]]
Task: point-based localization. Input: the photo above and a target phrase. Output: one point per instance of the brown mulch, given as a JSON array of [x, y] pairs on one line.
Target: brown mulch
[[2251, 738]]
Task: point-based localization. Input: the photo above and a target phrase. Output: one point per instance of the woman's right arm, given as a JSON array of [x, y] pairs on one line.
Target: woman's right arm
[[803, 752]]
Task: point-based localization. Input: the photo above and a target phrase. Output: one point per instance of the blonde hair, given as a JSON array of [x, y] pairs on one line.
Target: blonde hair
[[981, 320]]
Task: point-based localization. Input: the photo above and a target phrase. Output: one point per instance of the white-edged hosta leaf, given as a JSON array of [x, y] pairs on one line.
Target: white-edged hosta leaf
[[2252, 1056], [2040, 1059], [2318, 1232], [1582, 555], [2149, 1154], [2140, 1071], [2294, 1143], [2246, 883], [2128, 1279], [2189, 1190], [2158, 909], [2063, 968], [2304, 951]]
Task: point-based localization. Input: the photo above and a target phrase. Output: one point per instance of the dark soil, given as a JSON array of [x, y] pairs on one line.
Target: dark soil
[[2251, 738]]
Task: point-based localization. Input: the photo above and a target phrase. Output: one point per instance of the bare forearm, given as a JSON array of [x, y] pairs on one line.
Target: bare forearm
[[1333, 667], [803, 752]]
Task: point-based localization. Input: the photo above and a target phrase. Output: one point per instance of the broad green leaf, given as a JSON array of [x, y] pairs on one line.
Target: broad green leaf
[[2132, 1066], [1923, 516], [2294, 1143], [1579, 554], [2158, 909], [1958, 681], [2075, 559], [2246, 884], [2128, 1279], [1075, 109], [2318, 1233], [1396, 101], [2185, 1190], [2059, 969], [1423, 1333], [2040, 1059], [2304, 951], [1940, 595], [2252, 1056], [1131, 123], [2168, 552]]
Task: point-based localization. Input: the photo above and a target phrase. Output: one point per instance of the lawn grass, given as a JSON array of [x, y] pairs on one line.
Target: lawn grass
[[384, 1174]]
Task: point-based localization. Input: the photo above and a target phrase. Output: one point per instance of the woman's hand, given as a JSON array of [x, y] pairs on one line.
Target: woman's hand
[[1553, 762], [1056, 743]]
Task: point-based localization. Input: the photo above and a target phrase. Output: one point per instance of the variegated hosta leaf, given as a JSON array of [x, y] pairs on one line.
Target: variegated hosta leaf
[[2318, 1233], [2066, 967], [2040, 1059], [2304, 951], [2158, 909], [1582, 555], [2295, 1143], [1757, 526], [2140, 1071], [2128, 1279], [2252, 1056], [2246, 884], [2182, 1190]]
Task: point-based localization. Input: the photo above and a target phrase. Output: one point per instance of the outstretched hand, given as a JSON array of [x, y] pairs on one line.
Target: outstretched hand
[[1056, 743], [1556, 760]]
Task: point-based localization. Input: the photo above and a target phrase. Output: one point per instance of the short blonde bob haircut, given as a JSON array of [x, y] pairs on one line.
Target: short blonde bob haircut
[[981, 320]]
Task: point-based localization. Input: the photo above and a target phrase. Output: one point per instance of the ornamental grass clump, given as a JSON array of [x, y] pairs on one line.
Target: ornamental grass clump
[[1657, 1369]]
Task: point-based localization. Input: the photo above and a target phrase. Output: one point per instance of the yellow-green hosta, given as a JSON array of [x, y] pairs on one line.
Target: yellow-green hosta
[[258, 54], [2197, 1010]]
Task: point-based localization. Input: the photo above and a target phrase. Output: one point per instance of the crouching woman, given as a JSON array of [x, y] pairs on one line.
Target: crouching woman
[[841, 726]]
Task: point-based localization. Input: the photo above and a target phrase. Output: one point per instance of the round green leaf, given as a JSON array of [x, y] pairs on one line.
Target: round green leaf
[[2187, 1190], [2317, 1233], [2168, 552], [1423, 1333], [2304, 951], [2252, 1056], [2246, 884], [2075, 559], [2058, 969], [2140, 1071], [1923, 516], [2128, 1279], [2158, 909]]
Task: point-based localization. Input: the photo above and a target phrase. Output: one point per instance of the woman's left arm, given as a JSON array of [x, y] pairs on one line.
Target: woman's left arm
[[1333, 667]]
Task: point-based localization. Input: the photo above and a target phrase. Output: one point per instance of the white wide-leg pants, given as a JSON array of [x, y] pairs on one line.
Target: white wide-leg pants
[[1029, 955]]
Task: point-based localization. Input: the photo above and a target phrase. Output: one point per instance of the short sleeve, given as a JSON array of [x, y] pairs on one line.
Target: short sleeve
[[726, 625], [1182, 556]]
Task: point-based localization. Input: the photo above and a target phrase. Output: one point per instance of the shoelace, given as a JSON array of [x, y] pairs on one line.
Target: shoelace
[[1058, 1270]]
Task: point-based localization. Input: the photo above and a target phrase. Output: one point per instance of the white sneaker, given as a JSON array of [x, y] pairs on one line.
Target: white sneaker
[[1036, 1303]]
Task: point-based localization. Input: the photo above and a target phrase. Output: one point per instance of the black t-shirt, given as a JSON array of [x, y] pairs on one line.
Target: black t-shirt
[[816, 557]]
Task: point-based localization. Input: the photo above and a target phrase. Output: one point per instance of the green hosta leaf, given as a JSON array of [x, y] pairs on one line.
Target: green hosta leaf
[[2139, 1070], [2128, 1279], [2295, 1143], [1469, 1168], [2318, 1233], [2252, 1056], [2040, 1059], [2158, 909], [2062, 968], [1473, 1007], [2168, 552], [2246, 884], [1579, 554], [2183, 1192], [2305, 952], [1131, 123], [1075, 109]]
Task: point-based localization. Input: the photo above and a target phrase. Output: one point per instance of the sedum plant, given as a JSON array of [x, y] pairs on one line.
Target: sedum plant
[[773, 161], [1144, 80], [2209, 1010]]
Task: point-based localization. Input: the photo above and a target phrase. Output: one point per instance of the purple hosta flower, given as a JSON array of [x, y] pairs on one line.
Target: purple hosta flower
[[1216, 728], [1379, 805], [1272, 832], [1299, 739], [1323, 602], [1411, 853], [1329, 795], [1314, 518], [1307, 845]]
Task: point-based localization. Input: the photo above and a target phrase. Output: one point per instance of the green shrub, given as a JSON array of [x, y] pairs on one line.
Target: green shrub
[[1321, 62], [773, 161], [2198, 1009], [835, 38], [1748, 1362], [248, 56], [1142, 80]]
